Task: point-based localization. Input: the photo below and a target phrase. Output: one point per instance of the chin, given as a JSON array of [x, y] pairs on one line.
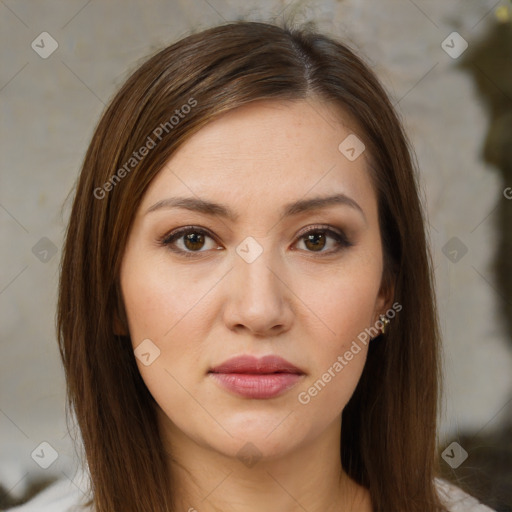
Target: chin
[[266, 439], [257, 447]]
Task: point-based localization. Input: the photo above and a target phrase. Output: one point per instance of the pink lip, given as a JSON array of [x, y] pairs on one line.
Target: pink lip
[[251, 377]]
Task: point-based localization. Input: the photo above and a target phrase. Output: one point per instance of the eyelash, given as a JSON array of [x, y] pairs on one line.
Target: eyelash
[[169, 239]]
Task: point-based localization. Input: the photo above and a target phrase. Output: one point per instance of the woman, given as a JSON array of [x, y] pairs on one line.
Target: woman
[[246, 312]]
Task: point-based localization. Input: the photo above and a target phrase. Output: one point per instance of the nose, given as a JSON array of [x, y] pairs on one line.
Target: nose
[[259, 298]]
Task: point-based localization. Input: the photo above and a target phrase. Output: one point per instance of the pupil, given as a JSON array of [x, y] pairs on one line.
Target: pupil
[[315, 237], [194, 241]]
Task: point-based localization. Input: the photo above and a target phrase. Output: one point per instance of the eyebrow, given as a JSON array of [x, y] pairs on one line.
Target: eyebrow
[[290, 209]]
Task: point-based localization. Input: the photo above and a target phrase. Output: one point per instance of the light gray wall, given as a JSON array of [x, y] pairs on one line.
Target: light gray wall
[[50, 106]]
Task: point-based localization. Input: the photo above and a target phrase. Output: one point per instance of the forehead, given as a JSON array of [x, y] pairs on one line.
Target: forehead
[[266, 152]]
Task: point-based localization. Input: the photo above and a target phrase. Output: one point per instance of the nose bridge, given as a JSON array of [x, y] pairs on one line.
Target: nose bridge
[[259, 299], [256, 267]]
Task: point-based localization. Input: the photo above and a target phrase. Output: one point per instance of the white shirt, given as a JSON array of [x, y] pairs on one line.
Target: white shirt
[[65, 496], [61, 496]]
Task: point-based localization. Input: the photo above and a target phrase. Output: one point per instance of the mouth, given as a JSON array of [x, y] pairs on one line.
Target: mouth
[[263, 378]]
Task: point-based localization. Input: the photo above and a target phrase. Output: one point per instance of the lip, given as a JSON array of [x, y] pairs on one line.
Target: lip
[[252, 377]]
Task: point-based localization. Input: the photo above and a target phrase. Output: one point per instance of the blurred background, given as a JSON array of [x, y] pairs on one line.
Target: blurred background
[[447, 65]]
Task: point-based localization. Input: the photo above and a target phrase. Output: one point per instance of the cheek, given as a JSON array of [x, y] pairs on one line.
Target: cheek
[[178, 310], [164, 308], [341, 303], [158, 302], [170, 310], [339, 311]]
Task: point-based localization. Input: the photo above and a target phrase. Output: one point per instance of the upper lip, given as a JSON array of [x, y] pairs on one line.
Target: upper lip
[[251, 364]]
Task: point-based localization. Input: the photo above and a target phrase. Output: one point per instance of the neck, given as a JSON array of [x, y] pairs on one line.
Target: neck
[[308, 478]]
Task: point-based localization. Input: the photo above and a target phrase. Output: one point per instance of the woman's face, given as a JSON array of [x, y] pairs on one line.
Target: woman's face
[[264, 267]]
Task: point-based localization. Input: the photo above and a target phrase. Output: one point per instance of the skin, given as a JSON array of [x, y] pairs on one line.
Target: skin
[[303, 304]]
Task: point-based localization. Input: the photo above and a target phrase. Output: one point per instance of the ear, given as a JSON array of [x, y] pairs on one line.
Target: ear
[[385, 297]]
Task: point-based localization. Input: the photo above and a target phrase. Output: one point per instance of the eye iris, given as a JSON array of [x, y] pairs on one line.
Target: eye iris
[[194, 241], [315, 238]]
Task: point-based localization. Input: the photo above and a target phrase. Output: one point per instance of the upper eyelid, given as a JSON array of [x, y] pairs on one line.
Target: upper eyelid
[[183, 230], [179, 232], [320, 227]]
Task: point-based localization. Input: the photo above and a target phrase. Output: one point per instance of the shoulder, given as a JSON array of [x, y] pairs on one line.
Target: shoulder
[[61, 496], [456, 499], [66, 496]]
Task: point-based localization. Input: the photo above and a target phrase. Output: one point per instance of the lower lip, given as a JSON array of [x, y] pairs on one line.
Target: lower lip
[[257, 385]]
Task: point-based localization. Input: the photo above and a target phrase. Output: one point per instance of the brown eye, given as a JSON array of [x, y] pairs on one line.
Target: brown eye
[[189, 241], [317, 239], [193, 241]]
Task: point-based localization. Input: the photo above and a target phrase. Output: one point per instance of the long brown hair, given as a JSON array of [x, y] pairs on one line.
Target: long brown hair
[[388, 440]]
